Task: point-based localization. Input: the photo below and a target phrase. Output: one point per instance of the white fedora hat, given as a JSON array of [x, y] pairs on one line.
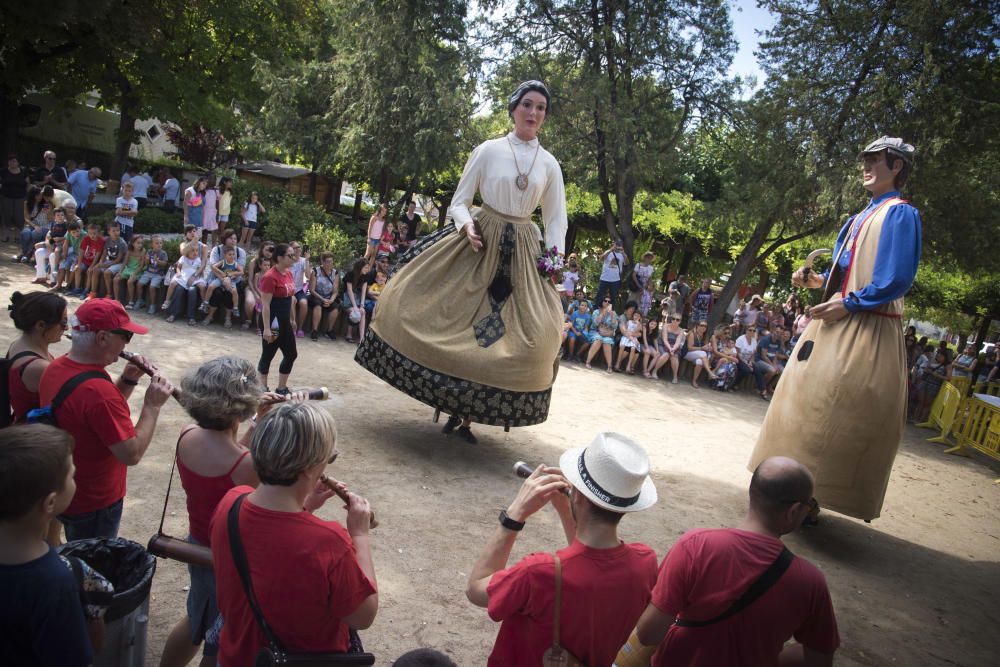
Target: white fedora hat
[[612, 472]]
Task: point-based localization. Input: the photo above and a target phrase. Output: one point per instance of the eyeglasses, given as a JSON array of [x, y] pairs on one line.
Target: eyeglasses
[[607, 301], [751, 329], [127, 335]]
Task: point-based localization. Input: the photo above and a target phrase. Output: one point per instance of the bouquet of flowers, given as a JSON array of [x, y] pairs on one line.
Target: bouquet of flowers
[[550, 263]]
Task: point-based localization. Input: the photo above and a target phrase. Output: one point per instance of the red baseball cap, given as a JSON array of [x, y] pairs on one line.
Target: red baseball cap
[[105, 315]]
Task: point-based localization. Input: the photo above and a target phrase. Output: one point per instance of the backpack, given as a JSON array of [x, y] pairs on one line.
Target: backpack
[[47, 414], [6, 415]]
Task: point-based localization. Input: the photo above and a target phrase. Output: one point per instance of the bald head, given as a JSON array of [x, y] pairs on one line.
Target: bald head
[[779, 482]]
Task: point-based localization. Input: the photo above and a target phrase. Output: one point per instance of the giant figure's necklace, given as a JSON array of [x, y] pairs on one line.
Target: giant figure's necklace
[[522, 179]]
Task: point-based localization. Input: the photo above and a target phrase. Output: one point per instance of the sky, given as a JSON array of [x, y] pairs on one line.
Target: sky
[[748, 18]]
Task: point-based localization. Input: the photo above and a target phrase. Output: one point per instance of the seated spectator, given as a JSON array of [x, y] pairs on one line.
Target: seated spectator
[[966, 364], [767, 364], [251, 296], [725, 358], [936, 373], [386, 244], [409, 227], [627, 332], [333, 590], [802, 320], [746, 349], [35, 220], [152, 276], [708, 569], [69, 256], [111, 262], [674, 341], [300, 271], [324, 286], [578, 296], [133, 265], [602, 333], [219, 395], [213, 280], [576, 335], [987, 366], [229, 273], [632, 341], [46, 252], [652, 346], [699, 351], [605, 582], [187, 277], [43, 620], [354, 298]]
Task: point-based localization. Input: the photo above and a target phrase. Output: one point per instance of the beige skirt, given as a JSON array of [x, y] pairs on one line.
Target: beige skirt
[[475, 334]]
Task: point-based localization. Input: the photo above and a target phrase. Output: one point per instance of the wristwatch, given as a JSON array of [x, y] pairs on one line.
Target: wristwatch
[[509, 523]]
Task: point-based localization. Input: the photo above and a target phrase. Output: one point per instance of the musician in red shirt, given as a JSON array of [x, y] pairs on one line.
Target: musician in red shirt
[[605, 583], [709, 569], [97, 415]]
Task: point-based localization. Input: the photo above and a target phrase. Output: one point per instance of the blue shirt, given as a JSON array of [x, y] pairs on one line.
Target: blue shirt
[[897, 258], [580, 321], [772, 345], [81, 187], [41, 615]]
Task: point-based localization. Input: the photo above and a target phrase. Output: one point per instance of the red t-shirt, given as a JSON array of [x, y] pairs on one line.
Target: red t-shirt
[[91, 249], [709, 569], [604, 591], [281, 285], [305, 575], [97, 416]]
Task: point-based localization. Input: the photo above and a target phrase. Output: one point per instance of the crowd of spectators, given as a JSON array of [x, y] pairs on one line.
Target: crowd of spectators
[[930, 366]]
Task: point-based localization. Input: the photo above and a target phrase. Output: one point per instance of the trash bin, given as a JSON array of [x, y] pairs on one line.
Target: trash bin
[[129, 568]]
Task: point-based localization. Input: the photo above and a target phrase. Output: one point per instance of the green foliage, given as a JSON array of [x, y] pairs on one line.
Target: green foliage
[[289, 219], [147, 221], [329, 238]]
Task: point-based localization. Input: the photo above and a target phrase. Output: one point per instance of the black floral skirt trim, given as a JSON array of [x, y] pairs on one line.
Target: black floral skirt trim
[[453, 396]]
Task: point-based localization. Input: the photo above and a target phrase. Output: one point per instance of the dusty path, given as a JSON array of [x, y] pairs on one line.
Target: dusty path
[[920, 586]]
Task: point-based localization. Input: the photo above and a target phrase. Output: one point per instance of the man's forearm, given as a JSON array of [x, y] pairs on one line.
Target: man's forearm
[[144, 428], [363, 552], [493, 558]]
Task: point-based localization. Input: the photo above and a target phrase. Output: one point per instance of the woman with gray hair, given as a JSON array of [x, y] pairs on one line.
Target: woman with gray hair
[[313, 580], [219, 395]]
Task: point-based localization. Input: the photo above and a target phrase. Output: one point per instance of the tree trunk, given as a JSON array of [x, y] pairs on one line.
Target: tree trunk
[[312, 184], [356, 214], [685, 262], [124, 138], [744, 264], [442, 215], [571, 236], [333, 193], [983, 331], [8, 123]]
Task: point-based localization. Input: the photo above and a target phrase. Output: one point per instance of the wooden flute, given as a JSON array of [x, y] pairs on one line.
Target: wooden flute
[[331, 483]]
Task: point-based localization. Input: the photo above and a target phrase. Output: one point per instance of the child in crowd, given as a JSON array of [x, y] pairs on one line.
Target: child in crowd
[[354, 299], [225, 200], [187, 274], [126, 208], [646, 299], [300, 272], [726, 359], [70, 253], [388, 237], [156, 267], [251, 295], [47, 252], [263, 265], [135, 263], [46, 598], [652, 345], [228, 271], [376, 225], [570, 277], [403, 240], [579, 329], [631, 335], [324, 284], [115, 252], [252, 208], [91, 251]]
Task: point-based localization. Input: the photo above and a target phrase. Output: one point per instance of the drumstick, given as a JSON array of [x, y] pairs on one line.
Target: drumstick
[[331, 483]]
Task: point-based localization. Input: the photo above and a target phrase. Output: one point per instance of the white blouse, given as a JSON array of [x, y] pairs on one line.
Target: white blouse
[[491, 171]]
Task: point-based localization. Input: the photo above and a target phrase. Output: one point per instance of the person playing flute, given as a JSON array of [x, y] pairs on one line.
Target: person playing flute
[[106, 441]]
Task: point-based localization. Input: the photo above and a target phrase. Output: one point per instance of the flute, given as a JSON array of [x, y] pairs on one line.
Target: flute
[[132, 358], [331, 483], [523, 470]]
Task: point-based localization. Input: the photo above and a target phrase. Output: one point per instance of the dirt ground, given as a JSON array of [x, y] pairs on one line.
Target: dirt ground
[[919, 586]]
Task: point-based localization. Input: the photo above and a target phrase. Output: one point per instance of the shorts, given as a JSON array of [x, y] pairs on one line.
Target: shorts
[[217, 282], [301, 294], [314, 300], [223, 219], [594, 337], [249, 224], [202, 605], [67, 263], [115, 269], [573, 336], [374, 242], [764, 367], [127, 231], [151, 279], [84, 266]]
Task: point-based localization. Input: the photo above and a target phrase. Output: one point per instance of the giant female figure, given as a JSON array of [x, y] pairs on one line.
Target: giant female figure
[[467, 324]]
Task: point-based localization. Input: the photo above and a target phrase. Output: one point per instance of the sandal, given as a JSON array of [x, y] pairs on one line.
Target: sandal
[[192, 322], [229, 323], [171, 318]]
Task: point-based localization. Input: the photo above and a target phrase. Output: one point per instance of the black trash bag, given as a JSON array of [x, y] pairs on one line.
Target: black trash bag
[[126, 564]]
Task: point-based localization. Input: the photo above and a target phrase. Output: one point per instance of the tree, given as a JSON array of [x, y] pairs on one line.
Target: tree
[[628, 78], [406, 88]]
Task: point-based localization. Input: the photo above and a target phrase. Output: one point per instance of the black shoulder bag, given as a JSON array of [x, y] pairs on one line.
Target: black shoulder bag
[[274, 653], [763, 584]]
